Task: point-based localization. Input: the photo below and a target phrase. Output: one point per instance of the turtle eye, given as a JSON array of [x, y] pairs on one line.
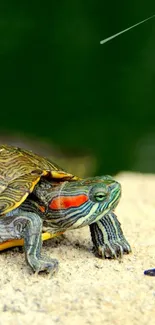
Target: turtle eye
[[99, 193], [100, 196]]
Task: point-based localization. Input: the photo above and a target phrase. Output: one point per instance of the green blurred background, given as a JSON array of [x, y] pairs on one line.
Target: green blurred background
[[60, 90]]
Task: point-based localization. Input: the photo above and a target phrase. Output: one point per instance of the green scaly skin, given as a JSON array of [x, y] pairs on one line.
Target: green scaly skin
[[67, 205]]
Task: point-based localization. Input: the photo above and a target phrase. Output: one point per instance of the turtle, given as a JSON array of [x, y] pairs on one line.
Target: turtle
[[40, 200]]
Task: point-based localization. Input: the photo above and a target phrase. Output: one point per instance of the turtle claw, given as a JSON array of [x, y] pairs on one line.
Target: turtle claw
[[50, 266], [150, 272], [113, 249]]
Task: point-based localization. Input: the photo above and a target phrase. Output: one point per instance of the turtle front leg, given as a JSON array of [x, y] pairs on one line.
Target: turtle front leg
[[108, 238], [28, 226]]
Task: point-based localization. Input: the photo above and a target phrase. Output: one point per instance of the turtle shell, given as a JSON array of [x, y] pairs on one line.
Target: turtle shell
[[20, 171]]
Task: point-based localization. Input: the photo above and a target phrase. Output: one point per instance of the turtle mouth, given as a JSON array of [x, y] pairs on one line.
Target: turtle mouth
[[116, 203], [115, 195]]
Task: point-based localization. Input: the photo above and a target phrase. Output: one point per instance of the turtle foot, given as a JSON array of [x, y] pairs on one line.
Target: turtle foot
[[48, 266], [113, 249]]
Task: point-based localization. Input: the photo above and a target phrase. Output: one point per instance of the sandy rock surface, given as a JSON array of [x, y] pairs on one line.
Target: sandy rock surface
[[86, 289]]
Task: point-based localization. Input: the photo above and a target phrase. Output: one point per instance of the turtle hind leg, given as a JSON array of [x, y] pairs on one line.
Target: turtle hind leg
[[108, 237], [28, 225], [150, 272]]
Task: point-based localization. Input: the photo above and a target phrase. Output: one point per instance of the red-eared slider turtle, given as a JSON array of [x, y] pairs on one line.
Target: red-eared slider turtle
[[38, 196]]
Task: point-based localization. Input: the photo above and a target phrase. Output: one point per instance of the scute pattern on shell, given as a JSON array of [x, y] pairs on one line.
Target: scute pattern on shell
[[20, 171]]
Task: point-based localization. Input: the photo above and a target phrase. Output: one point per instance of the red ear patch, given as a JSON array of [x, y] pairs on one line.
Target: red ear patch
[[65, 202]]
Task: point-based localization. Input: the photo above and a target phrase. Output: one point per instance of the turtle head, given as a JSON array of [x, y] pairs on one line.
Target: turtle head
[[79, 203]]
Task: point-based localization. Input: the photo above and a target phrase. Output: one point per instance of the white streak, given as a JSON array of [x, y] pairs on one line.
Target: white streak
[[89, 218], [124, 31]]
